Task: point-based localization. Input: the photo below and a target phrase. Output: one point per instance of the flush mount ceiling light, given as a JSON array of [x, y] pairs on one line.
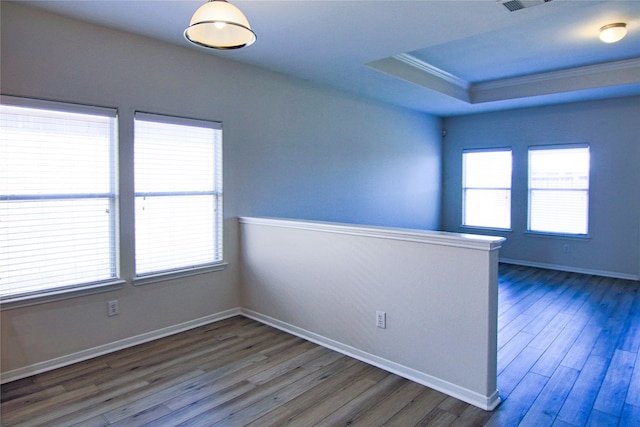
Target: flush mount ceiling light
[[218, 24], [613, 32]]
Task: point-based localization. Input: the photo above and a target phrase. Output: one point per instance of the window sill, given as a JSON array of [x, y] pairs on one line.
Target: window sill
[[486, 229], [557, 235], [176, 274], [19, 301]]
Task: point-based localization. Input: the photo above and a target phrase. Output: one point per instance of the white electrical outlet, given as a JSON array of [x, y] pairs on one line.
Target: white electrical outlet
[[381, 319], [113, 308]]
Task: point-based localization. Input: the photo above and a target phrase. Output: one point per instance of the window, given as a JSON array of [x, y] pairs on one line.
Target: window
[[559, 189], [178, 194], [57, 198], [486, 189]]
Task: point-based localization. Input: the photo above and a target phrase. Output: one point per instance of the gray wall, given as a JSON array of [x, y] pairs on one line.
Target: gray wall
[[612, 129], [290, 150]]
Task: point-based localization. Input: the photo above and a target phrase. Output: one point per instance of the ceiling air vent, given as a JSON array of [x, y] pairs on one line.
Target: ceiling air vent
[[513, 5]]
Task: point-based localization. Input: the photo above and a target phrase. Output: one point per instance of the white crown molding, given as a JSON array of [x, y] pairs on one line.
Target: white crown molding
[[434, 71], [585, 71], [560, 81]]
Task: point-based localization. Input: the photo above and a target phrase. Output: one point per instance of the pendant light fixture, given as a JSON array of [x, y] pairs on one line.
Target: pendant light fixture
[[613, 32], [218, 24]]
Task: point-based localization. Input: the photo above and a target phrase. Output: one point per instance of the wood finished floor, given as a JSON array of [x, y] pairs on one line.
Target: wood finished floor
[[568, 356]]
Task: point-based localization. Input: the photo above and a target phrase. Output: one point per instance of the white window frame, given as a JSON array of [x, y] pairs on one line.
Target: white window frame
[[110, 281], [569, 188], [217, 262], [467, 187]]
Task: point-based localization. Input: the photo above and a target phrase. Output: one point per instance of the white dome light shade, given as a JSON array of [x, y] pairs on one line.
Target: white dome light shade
[[219, 25], [613, 32]]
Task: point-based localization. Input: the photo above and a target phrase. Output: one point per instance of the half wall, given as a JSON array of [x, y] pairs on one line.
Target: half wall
[[325, 282]]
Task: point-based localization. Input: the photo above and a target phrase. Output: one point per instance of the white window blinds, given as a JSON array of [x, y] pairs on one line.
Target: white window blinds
[[57, 197], [178, 193], [486, 189], [559, 189]]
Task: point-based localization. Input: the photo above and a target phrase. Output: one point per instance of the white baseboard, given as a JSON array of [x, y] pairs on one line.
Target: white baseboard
[[488, 403], [90, 353], [612, 274]]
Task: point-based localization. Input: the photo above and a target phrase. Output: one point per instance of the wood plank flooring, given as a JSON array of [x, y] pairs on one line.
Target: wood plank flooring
[[568, 356]]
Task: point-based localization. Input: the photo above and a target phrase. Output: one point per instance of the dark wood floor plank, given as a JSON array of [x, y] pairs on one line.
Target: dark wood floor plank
[[552, 357], [207, 402], [518, 306], [222, 379], [387, 408], [155, 373], [85, 408], [437, 418], [602, 419], [286, 394], [611, 333], [512, 349], [633, 393], [288, 362], [417, 409], [97, 421], [471, 417], [511, 376], [630, 334], [512, 329], [362, 402], [453, 406], [591, 289], [19, 388], [578, 405], [551, 398], [74, 372], [144, 417], [271, 388], [613, 389], [515, 407], [274, 342], [339, 396], [546, 324], [28, 399], [581, 349], [548, 334], [272, 419], [26, 414], [630, 416], [324, 390]]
